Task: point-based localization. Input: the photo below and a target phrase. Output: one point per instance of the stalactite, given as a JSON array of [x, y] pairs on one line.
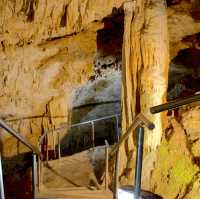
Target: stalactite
[[145, 71]]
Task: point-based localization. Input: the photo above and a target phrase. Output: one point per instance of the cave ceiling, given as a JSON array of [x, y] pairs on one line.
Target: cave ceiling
[[40, 39], [34, 21]]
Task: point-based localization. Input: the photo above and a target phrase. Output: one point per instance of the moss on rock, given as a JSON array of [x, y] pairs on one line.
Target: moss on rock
[[174, 169]]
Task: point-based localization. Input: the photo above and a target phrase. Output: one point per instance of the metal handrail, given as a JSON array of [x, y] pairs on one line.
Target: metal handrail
[[92, 122], [175, 104], [2, 194], [71, 126], [139, 121], [77, 124], [35, 152], [18, 137]]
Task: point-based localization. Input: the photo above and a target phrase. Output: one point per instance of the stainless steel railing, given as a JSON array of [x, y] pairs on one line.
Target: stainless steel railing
[[138, 123], [64, 126], [174, 104], [1, 181], [35, 152]]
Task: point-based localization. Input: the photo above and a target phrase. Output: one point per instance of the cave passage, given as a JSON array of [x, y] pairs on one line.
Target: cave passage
[[105, 86], [184, 74]]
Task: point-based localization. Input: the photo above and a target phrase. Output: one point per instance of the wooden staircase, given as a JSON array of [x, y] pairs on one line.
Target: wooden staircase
[[70, 178], [74, 193]]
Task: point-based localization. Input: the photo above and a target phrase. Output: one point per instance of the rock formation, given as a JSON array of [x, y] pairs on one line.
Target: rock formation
[[176, 172], [145, 68]]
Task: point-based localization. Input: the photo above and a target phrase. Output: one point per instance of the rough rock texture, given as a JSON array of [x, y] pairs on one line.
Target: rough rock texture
[[184, 72], [27, 21], [145, 70], [43, 58], [35, 76], [177, 168], [181, 24], [41, 71], [193, 189], [191, 125]]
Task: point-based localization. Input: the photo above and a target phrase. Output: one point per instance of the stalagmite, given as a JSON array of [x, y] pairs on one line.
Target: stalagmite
[[145, 71]]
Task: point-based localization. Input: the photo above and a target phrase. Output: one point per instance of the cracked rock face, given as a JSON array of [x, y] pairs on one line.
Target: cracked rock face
[[35, 75], [27, 21], [46, 50], [175, 174], [36, 54], [181, 24]]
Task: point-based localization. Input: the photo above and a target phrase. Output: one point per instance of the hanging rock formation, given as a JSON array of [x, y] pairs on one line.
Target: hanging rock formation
[[145, 67], [27, 21]]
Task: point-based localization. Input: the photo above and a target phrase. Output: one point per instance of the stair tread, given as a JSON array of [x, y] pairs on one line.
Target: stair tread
[[74, 194], [69, 178], [71, 171]]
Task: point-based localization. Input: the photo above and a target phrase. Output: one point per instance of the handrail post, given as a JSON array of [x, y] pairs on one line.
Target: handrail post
[[106, 164], [93, 136], [59, 154], [1, 180], [116, 176], [39, 173], [39, 166], [34, 176], [47, 149], [139, 156], [117, 127], [40, 178]]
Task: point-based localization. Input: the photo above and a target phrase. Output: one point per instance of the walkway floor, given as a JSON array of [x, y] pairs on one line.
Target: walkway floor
[[75, 193], [69, 177]]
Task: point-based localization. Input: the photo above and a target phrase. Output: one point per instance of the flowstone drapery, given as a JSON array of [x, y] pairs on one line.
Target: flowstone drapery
[[145, 71]]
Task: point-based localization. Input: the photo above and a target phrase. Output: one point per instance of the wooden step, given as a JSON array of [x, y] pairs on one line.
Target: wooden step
[[69, 193], [71, 171]]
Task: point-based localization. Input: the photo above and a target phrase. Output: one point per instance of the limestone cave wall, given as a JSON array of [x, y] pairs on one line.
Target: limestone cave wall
[[46, 50]]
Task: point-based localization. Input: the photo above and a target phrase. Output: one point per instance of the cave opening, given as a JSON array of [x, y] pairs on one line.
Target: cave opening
[[184, 74], [100, 97]]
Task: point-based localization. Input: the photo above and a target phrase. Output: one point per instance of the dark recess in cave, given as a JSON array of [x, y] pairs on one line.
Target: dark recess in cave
[[195, 10], [63, 21], [172, 2], [110, 38], [109, 42], [184, 74], [17, 176]]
